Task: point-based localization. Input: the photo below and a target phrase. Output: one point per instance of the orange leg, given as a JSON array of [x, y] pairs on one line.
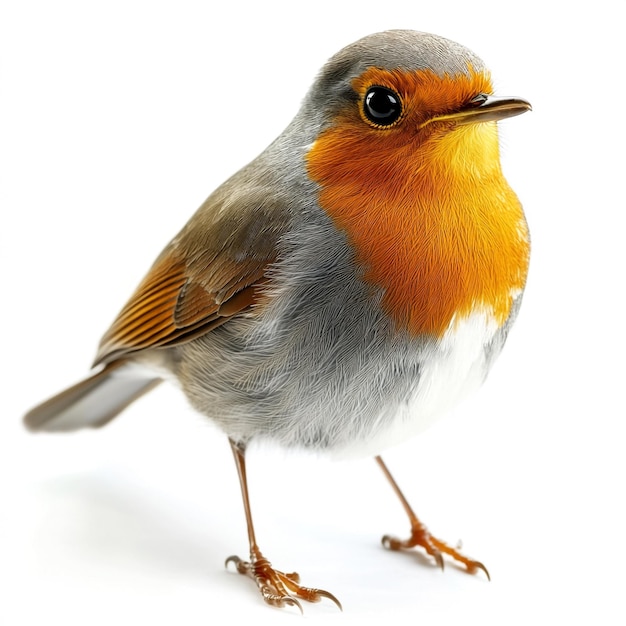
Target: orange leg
[[421, 537], [277, 588]]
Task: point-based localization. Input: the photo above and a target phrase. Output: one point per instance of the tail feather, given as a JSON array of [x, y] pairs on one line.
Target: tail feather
[[94, 401]]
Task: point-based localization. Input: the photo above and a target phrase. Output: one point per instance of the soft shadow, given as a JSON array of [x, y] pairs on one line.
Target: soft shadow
[[110, 518]]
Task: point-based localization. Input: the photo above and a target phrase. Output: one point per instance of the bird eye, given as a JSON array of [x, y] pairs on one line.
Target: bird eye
[[382, 106]]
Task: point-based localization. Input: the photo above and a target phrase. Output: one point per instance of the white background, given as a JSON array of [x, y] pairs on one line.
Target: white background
[[116, 123]]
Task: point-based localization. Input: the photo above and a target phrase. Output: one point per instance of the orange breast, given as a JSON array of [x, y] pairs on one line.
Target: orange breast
[[430, 215]]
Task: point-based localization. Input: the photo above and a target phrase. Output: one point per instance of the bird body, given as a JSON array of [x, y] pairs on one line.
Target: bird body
[[347, 286]]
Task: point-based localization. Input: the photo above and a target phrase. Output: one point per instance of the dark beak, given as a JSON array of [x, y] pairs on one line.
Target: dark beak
[[486, 109]]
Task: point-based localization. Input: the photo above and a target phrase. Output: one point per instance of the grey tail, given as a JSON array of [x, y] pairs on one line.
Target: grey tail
[[94, 401]]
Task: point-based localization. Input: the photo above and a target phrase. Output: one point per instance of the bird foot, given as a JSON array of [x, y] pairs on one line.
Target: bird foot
[[420, 536], [277, 588]]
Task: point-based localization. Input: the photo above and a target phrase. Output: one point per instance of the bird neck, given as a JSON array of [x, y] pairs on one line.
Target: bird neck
[[440, 231]]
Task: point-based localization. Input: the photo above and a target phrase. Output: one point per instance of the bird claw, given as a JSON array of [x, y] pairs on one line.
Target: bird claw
[[277, 588], [434, 547]]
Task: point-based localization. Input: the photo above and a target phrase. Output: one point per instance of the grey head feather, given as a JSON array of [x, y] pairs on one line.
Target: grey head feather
[[392, 49]]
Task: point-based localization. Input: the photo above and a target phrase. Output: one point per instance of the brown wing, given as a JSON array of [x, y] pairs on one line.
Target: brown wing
[[212, 270], [170, 306]]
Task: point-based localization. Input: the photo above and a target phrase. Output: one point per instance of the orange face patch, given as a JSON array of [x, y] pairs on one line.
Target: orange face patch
[[425, 94], [428, 211]]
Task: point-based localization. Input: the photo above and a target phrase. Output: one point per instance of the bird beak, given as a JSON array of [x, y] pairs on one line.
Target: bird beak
[[485, 108]]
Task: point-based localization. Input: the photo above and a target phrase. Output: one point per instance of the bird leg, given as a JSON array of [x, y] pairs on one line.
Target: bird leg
[[277, 588], [420, 535]]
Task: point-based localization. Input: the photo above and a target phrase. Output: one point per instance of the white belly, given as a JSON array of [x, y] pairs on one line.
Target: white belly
[[456, 366]]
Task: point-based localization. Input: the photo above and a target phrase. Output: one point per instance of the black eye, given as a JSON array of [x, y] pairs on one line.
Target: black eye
[[382, 106]]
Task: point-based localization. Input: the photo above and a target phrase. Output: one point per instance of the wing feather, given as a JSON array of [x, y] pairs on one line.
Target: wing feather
[[212, 270]]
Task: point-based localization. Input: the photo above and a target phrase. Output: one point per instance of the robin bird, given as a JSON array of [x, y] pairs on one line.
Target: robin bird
[[343, 289]]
